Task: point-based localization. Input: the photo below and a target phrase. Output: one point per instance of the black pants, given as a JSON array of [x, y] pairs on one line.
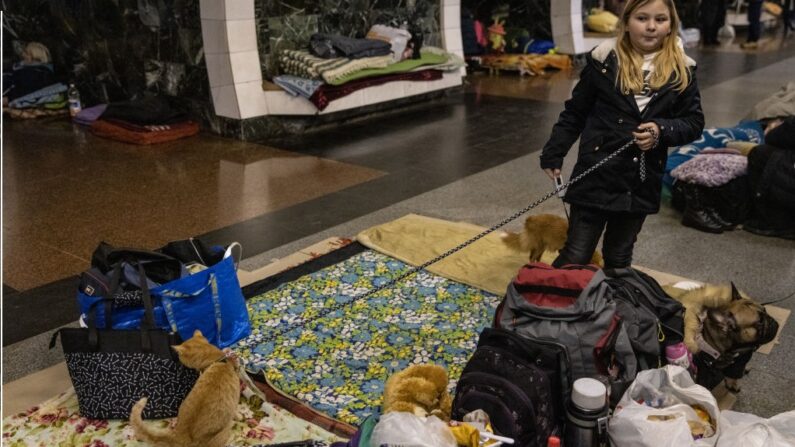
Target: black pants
[[713, 16], [754, 20], [585, 228]]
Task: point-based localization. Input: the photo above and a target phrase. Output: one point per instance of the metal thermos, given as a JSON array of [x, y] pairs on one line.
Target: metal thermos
[[586, 415]]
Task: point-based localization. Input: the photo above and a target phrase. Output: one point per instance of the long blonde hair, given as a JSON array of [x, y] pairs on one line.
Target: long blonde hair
[[670, 59]]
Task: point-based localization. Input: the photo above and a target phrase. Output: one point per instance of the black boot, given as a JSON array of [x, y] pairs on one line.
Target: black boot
[[696, 214], [724, 225]]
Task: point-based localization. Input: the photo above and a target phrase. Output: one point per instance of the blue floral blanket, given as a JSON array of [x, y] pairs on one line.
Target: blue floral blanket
[[339, 363]]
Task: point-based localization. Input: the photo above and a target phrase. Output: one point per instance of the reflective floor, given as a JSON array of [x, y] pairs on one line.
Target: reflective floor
[[470, 156]]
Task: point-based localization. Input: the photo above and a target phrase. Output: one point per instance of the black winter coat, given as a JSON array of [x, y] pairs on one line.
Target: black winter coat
[[604, 119], [771, 170]]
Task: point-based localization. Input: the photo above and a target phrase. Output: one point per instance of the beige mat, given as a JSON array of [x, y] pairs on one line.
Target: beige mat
[[487, 264]]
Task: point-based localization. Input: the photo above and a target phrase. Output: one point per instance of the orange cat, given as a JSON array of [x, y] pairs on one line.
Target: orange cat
[[206, 415], [543, 232]]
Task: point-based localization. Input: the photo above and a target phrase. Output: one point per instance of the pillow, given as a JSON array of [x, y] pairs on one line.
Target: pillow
[[397, 37], [601, 21], [716, 137], [711, 169]]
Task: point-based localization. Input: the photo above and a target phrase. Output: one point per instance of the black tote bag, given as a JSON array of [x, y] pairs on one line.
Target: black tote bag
[[112, 369]]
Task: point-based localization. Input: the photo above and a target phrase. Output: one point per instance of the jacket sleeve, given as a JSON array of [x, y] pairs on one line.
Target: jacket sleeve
[[688, 121], [783, 136], [571, 121]]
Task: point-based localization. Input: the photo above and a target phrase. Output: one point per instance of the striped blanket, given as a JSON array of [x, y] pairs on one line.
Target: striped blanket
[[305, 65]]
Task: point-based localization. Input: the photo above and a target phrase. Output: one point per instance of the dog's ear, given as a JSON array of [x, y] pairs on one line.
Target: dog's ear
[[735, 293]]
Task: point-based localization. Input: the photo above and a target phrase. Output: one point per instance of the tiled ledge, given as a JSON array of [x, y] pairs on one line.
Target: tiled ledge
[[230, 46], [567, 28]]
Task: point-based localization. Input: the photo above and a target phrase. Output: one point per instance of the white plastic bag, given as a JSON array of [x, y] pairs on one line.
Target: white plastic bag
[[666, 422], [748, 430], [406, 429]]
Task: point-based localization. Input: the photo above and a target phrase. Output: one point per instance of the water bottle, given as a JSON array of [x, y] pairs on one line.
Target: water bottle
[[75, 106], [586, 415], [679, 355]]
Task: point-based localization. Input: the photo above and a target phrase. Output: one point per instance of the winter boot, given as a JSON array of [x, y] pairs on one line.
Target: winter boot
[[696, 213]]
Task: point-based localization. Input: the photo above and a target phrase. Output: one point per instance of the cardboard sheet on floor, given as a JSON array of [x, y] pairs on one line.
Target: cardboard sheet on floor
[[58, 422]]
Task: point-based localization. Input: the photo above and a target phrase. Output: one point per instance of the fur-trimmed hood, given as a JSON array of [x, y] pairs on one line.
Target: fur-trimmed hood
[[603, 50]]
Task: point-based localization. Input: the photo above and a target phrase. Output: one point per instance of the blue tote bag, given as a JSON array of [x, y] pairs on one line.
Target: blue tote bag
[[209, 300]]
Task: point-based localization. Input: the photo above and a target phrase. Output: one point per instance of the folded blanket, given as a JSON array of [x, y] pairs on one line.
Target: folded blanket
[[51, 93], [327, 93], [304, 65], [296, 86], [452, 63], [35, 112], [427, 58], [711, 169], [135, 134]]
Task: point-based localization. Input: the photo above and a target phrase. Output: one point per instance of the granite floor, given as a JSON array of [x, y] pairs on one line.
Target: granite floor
[[471, 156]]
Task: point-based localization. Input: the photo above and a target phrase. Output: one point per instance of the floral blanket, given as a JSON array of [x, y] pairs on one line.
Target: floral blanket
[[338, 363], [57, 422]]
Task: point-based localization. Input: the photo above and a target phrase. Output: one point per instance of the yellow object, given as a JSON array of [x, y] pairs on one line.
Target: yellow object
[[601, 21], [744, 147], [773, 8], [487, 264], [466, 435]]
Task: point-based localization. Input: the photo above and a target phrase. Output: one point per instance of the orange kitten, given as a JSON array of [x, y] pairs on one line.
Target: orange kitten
[[206, 415]]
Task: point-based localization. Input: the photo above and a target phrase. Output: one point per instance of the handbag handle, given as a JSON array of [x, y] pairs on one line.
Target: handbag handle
[[115, 280], [147, 323], [230, 252]]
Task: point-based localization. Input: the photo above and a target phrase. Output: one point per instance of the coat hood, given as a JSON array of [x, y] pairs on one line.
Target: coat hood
[[603, 50]]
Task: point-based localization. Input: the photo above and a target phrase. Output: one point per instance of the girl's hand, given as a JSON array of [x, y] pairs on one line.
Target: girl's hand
[[552, 173], [647, 136]]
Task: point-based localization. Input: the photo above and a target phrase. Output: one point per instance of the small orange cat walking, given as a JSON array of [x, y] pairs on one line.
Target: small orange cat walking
[[206, 415]]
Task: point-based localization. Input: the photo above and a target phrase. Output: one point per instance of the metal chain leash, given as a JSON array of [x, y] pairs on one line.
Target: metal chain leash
[[642, 170], [333, 308]]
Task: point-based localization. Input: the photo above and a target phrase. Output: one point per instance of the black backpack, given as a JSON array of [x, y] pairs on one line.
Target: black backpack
[[651, 317], [520, 383]]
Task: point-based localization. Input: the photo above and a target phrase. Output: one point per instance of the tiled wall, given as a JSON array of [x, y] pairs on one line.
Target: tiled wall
[[234, 48], [567, 27]]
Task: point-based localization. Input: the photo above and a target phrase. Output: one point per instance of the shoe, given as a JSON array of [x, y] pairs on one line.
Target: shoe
[[724, 225], [749, 45], [700, 220], [697, 214]]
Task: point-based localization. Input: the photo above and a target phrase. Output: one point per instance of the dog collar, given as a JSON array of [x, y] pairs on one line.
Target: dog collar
[[706, 347]]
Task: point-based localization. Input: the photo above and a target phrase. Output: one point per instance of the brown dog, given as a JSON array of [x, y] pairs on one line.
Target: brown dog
[[723, 328], [543, 232]]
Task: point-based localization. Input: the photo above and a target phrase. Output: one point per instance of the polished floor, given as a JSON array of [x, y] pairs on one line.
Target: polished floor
[[471, 156]]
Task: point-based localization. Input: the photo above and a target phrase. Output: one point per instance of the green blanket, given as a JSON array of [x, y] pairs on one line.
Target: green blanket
[[426, 58]]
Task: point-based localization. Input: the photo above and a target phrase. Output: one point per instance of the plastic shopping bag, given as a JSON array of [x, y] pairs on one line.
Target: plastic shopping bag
[[748, 430], [665, 408], [401, 428]]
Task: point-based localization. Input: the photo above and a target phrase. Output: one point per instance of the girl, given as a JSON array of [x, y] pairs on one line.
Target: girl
[[638, 86]]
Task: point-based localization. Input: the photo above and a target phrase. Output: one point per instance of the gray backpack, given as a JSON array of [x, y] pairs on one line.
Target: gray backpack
[[572, 307]]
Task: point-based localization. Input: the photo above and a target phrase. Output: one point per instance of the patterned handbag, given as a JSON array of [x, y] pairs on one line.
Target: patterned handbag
[[112, 369]]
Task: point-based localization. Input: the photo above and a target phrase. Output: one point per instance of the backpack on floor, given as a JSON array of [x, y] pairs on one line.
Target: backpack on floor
[[571, 306], [651, 317], [517, 382]]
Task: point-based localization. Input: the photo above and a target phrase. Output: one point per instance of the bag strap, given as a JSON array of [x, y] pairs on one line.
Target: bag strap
[[230, 251], [148, 321]]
